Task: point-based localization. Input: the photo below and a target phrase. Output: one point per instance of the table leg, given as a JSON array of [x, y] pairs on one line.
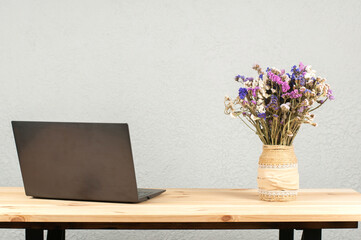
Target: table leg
[[34, 234], [311, 234], [286, 234], [58, 234]]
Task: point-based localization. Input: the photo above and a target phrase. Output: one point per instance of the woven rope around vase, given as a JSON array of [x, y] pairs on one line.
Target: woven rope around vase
[[278, 178]]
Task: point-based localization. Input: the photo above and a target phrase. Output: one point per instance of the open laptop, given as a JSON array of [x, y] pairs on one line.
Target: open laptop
[[78, 161]]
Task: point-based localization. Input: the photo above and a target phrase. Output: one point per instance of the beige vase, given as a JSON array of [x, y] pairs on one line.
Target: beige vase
[[278, 178]]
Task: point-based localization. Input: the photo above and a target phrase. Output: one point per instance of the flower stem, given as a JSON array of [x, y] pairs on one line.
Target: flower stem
[[247, 124]]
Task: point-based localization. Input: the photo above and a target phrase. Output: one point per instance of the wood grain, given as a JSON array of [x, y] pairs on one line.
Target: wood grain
[[187, 205]]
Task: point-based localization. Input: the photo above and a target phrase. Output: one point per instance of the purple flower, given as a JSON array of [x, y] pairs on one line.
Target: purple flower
[[262, 115], [285, 87], [273, 103], [275, 78], [254, 102], [242, 93], [253, 90], [329, 94], [302, 67], [302, 81], [239, 77], [293, 94]]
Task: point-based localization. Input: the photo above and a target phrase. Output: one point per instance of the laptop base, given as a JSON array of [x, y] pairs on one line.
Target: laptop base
[[147, 193]]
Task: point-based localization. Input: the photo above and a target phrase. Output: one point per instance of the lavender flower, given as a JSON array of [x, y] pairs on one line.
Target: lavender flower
[[273, 103], [239, 77], [262, 115], [329, 94], [302, 81], [242, 92]]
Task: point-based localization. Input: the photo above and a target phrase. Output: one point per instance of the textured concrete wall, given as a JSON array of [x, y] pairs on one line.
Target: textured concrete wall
[[164, 67]]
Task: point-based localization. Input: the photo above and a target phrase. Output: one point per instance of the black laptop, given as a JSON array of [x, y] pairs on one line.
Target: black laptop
[[78, 161]]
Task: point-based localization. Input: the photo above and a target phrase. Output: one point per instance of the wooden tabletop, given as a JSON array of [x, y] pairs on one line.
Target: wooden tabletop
[[187, 205]]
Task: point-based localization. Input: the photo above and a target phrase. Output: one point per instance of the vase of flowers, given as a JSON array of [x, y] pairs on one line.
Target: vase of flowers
[[274, 106]]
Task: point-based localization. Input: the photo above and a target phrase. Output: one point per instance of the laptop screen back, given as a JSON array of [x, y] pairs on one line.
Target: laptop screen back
[[82, 161]]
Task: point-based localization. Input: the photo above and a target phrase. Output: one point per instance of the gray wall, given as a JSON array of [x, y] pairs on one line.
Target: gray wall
[[164, 67]]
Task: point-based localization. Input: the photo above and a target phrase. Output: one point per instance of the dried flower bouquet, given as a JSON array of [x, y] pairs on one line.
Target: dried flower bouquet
[[276, 103]]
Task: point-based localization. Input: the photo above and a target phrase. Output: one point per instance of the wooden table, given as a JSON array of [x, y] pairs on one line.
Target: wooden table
[[184, 209]]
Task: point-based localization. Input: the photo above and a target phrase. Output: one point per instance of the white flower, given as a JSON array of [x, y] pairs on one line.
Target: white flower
[[229, 105], [325, 90], [261, 109], [266, 95], [254, 117], [260, 101], [261, 84], [276, 70], [305, 102], [310, 116], [227, 98], [233, 114], [255, 83], [319, 88], [285, 107], [310, 73], [248, 84], [287, 79], [265, 77]]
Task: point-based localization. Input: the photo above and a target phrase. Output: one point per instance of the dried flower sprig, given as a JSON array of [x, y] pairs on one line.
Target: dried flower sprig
[[277, 103]]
